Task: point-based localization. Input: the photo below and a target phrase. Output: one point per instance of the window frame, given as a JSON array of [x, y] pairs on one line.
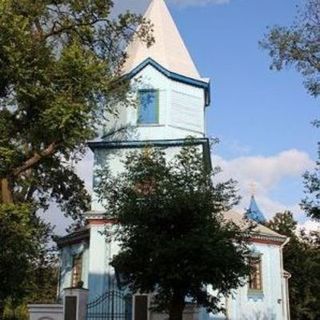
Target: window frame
[[76, 258], [255, 289], [157, 106]]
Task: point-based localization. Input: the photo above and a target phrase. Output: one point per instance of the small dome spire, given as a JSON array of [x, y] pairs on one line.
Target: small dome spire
[[254, 213]]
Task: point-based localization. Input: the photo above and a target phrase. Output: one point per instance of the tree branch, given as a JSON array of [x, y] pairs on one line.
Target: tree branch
[[35, 159]]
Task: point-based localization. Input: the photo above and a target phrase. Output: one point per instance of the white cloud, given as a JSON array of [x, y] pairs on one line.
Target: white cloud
[[265, 173], [310, 225], [262, 171]]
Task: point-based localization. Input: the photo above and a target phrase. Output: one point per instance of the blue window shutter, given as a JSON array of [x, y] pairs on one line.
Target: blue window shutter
[[148, 111]]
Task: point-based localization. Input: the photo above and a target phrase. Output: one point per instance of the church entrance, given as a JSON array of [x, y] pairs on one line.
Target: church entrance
[[112, 305]]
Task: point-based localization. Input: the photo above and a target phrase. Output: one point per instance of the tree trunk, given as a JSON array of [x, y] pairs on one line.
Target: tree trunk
[[6, 192], [176, 307]]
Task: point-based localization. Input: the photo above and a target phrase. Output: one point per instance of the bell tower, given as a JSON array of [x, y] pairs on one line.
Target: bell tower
[[171, 95], [171, 100]]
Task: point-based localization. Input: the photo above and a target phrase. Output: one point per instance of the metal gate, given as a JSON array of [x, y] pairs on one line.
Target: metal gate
[[112, 305]]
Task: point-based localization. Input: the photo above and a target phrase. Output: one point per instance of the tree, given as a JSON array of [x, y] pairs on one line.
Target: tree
[[298, 46], [302, 260], [311, 203], [60, 76], [40, 283], [24, 239], [174, 240]]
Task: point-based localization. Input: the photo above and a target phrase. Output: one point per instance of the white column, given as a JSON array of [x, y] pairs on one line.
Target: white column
[[98, 256], [75, 304]]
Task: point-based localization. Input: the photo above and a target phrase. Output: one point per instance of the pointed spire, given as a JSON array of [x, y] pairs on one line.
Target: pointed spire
[[254, 213], [168, 50]]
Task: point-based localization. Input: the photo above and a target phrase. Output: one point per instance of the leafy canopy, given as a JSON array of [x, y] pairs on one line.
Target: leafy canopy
[[174, 240], [60, 76], [302, 260], [298, 45], [24, 239], [311, 203]]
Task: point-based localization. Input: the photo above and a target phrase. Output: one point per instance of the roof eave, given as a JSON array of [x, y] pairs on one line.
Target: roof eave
[[73, 238], [269, 239], [93, 145], [206, 85]]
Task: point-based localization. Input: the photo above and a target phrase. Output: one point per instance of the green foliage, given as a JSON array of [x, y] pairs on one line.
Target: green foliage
[[302, 260], [18, 248], [311, 203], [174, 240], [45, 279], [13, 312], [298, 45], [60, 77], [24, 239]]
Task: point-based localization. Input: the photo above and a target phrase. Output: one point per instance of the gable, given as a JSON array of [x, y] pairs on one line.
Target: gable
[[201, 84]]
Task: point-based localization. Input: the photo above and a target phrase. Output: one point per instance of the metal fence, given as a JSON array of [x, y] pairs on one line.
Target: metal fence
[[112, 305]]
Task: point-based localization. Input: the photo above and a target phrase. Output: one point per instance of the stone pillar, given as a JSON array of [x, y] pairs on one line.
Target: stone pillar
[[75, 303]]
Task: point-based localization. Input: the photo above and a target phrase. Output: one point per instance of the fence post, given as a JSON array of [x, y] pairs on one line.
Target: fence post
[[75, 303]]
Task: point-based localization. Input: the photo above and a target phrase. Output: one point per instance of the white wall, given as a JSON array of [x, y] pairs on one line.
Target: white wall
[[268, 306], [114, 159], [99, 258], [45, 311], [66, 256], [181, 110]]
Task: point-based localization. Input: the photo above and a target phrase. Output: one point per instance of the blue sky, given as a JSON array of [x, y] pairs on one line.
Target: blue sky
[[261, 117], [265, 112]]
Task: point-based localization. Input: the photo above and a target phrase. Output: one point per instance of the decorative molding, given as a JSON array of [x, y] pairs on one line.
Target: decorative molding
[[100, 221], [101, 144], [255, 295], [267, 239], [74, 238], [94, 215], [142, 143]]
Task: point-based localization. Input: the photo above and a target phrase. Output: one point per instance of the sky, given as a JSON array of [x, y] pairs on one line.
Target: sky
[[261, 117]]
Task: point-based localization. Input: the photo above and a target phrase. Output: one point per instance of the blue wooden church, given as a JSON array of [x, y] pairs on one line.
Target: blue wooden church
[[173, 98]]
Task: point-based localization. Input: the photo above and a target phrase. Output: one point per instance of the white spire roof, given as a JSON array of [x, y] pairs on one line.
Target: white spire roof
[[168, 50]]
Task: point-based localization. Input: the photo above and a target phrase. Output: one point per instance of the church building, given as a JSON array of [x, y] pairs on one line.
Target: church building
[[172, 101]]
